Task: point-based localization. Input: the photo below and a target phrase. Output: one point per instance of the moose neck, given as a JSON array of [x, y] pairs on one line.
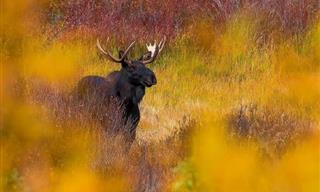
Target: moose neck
[[127, 91]]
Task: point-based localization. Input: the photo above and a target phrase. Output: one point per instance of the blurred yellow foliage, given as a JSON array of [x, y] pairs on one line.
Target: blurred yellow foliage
[[54, 63], [232, 166], [84, 180]]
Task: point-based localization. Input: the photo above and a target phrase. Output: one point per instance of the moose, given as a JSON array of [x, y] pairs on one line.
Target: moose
[[123, 89]]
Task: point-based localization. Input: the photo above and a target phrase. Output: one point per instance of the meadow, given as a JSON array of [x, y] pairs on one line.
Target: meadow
[[236, 106]]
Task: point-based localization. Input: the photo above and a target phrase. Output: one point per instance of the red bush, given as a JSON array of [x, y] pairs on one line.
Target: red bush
[[147, 19]]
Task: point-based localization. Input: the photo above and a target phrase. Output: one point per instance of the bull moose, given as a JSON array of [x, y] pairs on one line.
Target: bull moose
[[124, 89]]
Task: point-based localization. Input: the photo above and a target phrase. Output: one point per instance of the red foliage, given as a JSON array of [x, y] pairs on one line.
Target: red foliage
[[126, 19]]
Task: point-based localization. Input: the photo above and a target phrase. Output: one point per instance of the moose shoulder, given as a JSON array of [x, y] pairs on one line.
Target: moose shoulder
[[124, 88]]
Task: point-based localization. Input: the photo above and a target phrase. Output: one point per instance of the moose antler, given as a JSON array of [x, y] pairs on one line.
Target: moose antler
[[112, 58], [155, 49]]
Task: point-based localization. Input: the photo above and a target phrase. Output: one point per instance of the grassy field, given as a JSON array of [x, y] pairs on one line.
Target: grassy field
[[236, 107]]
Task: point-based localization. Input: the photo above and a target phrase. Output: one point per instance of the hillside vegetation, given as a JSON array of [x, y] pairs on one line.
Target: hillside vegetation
[[236, 107]]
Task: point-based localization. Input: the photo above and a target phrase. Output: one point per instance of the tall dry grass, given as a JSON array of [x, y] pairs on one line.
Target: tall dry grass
[[235, 109]]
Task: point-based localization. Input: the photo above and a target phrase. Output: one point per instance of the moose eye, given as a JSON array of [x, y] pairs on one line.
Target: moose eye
[[132, 68]]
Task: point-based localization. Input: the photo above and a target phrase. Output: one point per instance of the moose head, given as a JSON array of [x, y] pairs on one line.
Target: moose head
[[136, 71]]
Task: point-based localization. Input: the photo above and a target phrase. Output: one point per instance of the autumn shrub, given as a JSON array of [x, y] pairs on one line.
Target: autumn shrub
[[149, 19], [274, 129]]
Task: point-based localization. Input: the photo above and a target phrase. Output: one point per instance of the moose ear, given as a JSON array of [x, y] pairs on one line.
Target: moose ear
[[146, 56], [124, 63], [121, 52]]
